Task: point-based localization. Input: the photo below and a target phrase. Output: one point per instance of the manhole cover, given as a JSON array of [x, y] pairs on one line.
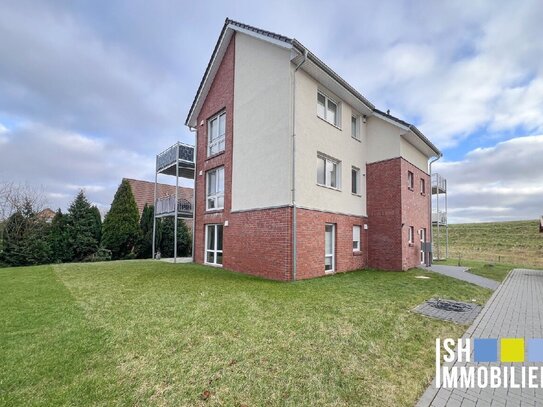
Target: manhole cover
[[447, 305]]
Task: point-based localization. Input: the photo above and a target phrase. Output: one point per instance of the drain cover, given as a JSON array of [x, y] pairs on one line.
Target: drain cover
[[448, 310], [448, 305]]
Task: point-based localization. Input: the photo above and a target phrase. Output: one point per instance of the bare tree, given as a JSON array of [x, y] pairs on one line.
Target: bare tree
[[16, 197]]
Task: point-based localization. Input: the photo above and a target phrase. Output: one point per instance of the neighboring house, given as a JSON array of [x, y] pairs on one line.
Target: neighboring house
[[47, 215], [144, 194], [297, 174]]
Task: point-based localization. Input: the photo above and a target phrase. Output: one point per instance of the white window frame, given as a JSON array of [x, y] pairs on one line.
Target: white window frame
[[422, 186], [411, 235], [327, 100], [357, 231], [422, 241], [215, 249], [410, 180], [333, 254], [357, 184], [328, 182], [221, 138], [218, 194], [356, 128]]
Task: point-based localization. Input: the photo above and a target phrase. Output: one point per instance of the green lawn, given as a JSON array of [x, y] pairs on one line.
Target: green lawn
[[154, 333], [517, 242]]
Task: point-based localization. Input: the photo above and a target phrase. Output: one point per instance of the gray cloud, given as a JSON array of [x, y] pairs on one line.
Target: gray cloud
[[504, 182], [89, 92]]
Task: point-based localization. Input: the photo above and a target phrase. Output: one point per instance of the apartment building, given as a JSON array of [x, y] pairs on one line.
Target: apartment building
[[297, 174]]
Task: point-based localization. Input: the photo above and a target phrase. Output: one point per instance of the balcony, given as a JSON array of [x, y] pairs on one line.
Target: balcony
[[439, 184], [181, 154], [439, 217], [165, 206]]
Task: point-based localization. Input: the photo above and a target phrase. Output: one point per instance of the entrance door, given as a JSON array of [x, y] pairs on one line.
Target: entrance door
[[329, 247], [422, 241]]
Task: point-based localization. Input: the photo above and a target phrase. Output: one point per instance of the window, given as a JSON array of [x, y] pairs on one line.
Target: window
[[215, 189], [216, 130], [327, 109], [411, 234], [329, 247], [213, 244], [327, 172], [422, 186], [410, 180], [355, 180], [355, 127], [356, 238]]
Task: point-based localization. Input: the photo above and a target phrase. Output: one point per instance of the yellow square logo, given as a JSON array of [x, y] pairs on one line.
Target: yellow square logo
[[512, 350]]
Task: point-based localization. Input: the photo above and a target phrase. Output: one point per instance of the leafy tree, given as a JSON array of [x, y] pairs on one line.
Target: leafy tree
[[81, 228], [144, 246], [121, 228], [59, 238]]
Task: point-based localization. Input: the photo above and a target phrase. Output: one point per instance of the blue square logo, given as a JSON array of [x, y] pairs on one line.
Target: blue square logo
[[485, 350], [535, 350]]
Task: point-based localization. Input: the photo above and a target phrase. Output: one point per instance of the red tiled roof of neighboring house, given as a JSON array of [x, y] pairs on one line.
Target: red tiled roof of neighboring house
[[144, 192], [47, 214]]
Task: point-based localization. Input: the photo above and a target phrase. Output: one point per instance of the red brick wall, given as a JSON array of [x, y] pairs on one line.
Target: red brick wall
[[392, 204], [220, 97], [383, 181], [259, 243], [415, 208], [310, 242]]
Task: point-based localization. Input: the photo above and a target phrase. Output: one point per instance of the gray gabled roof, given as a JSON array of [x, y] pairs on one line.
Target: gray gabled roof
[[293, 43]]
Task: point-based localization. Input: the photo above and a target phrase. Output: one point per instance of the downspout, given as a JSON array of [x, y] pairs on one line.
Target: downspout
[[195, 131], [293, 190], [430, 253]]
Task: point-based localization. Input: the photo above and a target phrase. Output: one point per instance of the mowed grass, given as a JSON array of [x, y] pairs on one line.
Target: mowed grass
[[493, 271], [153, 333], [517, 242]]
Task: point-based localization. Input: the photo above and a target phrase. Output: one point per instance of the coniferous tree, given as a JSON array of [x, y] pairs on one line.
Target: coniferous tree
[[184, 238], [81, 228], [59, 239], [26, 238], [144, 246], [97, 224], [121, 228]]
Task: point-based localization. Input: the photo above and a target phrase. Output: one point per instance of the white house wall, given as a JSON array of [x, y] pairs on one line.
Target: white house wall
[[313, 136], [262, 110]]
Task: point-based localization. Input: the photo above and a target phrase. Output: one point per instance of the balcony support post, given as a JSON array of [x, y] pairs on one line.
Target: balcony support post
[[154, 217], [176, 203]]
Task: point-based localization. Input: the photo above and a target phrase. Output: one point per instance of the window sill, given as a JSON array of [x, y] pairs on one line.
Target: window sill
[[329, 272], [357, 139], [215, 155], [327, 187], [411, 244], [423, 194], [214, 210], [331, 124], [213, 265], [357, 253], [411, 189], [358, 195]]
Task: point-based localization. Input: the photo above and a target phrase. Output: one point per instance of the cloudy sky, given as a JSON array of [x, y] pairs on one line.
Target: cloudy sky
[[91, 91]]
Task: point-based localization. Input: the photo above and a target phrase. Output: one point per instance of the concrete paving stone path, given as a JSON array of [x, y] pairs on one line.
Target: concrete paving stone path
[[515, 310]]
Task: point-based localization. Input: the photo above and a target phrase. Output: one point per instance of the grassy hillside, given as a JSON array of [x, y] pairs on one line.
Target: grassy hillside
[[516, 242]]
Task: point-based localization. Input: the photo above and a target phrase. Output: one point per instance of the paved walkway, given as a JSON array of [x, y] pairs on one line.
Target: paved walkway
[[461, 273], [515, 310]]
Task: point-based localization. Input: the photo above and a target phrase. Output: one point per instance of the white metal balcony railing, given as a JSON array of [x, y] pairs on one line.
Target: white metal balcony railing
[[440, 217], [166, 205], [438, 183], [168, 156]]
